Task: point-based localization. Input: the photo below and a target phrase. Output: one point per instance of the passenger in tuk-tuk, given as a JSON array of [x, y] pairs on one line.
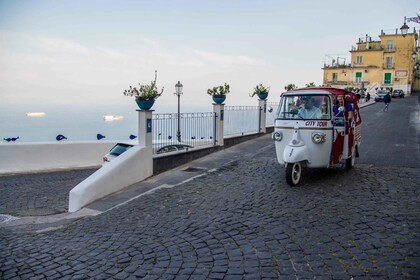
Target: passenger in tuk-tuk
[[347, 114]]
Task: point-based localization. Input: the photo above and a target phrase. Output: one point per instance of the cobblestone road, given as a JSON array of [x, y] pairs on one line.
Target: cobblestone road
[[240, 222], [39, 194]]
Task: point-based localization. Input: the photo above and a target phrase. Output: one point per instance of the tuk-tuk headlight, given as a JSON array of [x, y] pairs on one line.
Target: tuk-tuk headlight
[[318, 137], [278, 136]]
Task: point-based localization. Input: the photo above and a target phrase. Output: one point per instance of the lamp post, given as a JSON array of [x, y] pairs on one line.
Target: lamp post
[[178, 92]]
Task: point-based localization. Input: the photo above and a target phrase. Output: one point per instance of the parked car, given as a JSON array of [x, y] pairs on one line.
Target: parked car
[[115, 151], [398, 93], [120, 148], [173, 147], [380, 95]]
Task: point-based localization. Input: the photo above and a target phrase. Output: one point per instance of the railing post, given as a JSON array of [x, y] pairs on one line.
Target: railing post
[[219, 110], [145, 128], [263, 112]]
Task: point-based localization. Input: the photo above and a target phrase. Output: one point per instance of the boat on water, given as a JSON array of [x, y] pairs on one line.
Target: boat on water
[[110, 118], [36, 114]]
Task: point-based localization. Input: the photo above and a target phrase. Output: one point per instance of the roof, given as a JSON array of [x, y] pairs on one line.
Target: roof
[[336, 91]]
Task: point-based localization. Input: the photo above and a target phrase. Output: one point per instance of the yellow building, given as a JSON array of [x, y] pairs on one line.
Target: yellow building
[[391, 61]]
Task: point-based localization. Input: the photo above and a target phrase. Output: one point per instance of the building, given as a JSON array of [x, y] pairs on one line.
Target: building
[[390, 61]]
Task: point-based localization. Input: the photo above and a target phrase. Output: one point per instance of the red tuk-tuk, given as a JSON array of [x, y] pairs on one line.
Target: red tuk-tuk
[[316, 127]]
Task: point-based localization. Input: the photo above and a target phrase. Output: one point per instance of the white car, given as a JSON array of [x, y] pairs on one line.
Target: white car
[[117, 150], [120, 148]]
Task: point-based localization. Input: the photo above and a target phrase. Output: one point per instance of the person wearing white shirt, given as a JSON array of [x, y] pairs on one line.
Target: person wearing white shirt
[[309, 111]]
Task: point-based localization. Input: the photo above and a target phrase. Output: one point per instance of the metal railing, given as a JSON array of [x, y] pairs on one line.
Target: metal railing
[[197, 129], [241, 120], [389, 65], [271, 117]]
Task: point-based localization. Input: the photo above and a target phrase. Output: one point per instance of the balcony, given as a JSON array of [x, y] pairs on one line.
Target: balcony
[[335, 65], [364, 47], [346, 83], [389, 49], [335, 82], [389, 65]]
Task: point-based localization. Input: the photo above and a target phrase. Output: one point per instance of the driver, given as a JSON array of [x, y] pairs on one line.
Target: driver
[[309, 111]]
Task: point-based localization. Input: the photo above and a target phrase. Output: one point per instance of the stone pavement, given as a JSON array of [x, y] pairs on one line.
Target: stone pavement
[[237, 219]]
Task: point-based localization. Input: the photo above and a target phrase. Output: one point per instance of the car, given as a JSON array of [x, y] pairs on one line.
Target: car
[[380, 95], [398, 93], [115, 151], [173, 148]]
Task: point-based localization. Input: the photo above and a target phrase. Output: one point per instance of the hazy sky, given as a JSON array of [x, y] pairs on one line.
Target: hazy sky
[[83, 51]]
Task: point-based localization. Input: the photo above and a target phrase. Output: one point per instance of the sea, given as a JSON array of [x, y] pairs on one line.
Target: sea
[[78, 122]]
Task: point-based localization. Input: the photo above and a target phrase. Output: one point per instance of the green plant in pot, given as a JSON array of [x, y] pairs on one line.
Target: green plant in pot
[[145, 95], [261, 91], [219, 93]]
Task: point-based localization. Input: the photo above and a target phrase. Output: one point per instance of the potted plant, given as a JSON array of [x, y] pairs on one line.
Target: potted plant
[[145, 95], [261, 91], [219, 93]]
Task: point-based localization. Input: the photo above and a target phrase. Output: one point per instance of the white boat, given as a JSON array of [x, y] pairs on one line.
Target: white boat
[[36, 114], [110, 118]]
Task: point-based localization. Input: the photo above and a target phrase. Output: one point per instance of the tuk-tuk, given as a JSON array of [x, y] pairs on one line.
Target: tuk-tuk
[[316, 128]]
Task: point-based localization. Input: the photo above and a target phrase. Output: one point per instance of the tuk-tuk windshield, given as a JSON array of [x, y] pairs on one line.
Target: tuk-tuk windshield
[[306, 107]]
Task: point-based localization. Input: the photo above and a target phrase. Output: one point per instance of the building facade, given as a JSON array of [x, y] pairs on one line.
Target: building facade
[[391, 61]]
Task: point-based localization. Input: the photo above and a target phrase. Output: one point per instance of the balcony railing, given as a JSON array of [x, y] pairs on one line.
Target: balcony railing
[[390, 49], [389, 65], [367, 48], [241, 120], [197, 129]]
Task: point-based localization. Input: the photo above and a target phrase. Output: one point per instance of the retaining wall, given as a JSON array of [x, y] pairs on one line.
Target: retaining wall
[[50, 156]]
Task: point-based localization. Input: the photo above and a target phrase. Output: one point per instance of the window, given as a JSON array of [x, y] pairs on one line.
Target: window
[[387, 78], [388, 63], [334, 77], [358, 77], [303, 107], [389, 45], [359, 59]]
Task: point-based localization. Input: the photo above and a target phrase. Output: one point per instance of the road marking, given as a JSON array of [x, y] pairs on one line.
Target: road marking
[[4, 218]]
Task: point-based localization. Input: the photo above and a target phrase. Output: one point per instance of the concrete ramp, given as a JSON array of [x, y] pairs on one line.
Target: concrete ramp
[[134, 165]]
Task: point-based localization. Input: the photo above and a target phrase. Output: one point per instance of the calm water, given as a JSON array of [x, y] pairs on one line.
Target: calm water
[[84, 122]]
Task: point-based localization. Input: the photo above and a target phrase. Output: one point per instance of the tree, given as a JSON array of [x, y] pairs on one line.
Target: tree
[[311, 84], [290, 87]]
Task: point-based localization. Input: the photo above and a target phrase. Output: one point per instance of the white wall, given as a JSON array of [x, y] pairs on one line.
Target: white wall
[[47, 156]]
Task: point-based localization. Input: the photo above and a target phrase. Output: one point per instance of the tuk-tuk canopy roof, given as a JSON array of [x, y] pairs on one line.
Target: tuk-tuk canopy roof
[[335, 91]]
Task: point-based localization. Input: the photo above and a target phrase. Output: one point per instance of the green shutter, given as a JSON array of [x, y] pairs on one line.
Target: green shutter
[[358, 74], [387, 78]]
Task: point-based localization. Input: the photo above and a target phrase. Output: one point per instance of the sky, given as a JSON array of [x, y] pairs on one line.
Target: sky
[[89, 51]]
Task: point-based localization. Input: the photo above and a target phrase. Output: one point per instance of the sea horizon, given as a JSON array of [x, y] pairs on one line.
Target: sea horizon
[[77, 122]]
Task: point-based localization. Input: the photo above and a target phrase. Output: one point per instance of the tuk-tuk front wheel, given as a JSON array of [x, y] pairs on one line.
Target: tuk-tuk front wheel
[[293, 173]]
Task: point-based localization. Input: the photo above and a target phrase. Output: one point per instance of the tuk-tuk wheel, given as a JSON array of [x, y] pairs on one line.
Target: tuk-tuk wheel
[[293, 173]]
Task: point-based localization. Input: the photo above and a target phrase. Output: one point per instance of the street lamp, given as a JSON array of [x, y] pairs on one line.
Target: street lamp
[[178, 92], [404, 28]]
